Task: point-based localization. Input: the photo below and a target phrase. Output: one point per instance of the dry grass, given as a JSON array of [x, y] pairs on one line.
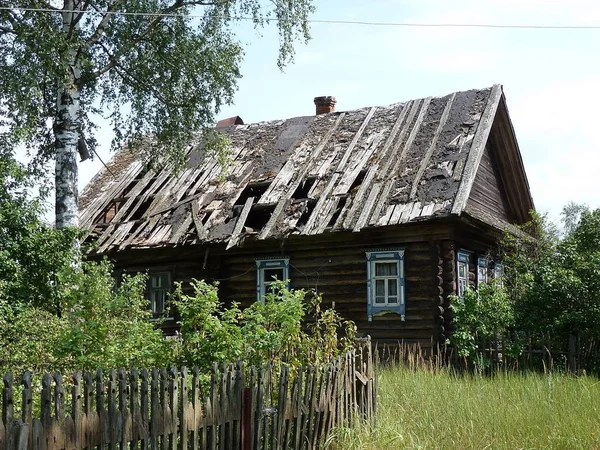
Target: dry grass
[[428, 409]]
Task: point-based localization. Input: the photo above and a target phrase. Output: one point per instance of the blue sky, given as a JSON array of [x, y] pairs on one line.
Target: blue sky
[[551, 78]]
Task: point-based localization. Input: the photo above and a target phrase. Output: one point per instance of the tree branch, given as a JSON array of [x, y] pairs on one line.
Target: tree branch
[[124, 73], [6, 30], [95, 38]]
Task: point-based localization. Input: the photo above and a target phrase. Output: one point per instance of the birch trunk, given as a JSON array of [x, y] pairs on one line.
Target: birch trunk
[[66, 133]]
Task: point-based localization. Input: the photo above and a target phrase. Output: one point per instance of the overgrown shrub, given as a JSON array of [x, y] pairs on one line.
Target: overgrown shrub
[[480, 316], [272, 330]]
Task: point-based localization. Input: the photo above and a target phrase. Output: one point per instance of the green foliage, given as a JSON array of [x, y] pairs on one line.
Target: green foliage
[[209, 332], [480, 315], [272, 330], [98, 327], [265, 331], [32, 254], [107, 327], [554, 282], [160, 71]]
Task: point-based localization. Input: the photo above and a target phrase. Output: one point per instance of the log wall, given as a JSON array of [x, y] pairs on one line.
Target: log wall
[[334, 265]]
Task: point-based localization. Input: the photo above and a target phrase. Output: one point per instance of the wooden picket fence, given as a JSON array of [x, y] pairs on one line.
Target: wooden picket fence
[[165, 410]]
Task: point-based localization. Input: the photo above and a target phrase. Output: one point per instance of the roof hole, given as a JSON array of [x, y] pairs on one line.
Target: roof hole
[[359, 179], [141, 210], [338, 211], [259, 216], [108, 213], [252, 190], [310, 207], [304, 188]]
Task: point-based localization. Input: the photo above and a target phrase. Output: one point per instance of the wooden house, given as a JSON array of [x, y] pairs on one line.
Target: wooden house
[[386, 211]]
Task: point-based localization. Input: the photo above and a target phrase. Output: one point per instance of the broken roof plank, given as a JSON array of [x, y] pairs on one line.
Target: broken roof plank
[[358, 198], [200, 230], [181, 230], [357, 136], [387, 162], [239, 225], [364, 215], [274, 219]]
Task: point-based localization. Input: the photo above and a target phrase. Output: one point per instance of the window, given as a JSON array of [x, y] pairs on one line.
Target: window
[[267, 270], [482, 270], [462, 271], [499, 274], [159, 284], [385, 282]]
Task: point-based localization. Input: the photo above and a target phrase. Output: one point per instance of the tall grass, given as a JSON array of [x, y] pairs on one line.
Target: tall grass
[[426, 408]]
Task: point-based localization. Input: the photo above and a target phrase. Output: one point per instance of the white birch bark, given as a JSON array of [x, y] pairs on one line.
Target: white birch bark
[[66, 133]]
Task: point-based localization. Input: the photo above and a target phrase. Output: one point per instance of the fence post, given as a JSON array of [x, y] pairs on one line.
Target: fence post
[[247, 419]]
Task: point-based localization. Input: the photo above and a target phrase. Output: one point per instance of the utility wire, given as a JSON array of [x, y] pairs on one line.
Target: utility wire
[[325, 21]]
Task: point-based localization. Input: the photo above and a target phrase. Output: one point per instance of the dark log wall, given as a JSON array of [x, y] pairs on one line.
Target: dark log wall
[[333, 264], [488, 192]]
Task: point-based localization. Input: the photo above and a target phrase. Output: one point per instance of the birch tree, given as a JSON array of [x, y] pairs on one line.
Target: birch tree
[[158, 70]]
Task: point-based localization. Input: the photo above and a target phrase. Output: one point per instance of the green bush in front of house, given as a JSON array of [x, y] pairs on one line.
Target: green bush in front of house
[[273, 330]]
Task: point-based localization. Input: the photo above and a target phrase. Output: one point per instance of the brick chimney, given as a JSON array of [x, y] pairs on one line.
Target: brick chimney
[[325, 104]]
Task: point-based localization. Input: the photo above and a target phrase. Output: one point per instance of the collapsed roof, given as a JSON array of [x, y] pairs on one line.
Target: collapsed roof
[[351, 170]]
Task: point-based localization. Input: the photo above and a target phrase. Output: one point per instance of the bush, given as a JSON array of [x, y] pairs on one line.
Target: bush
[[265, 331], [480, 316]]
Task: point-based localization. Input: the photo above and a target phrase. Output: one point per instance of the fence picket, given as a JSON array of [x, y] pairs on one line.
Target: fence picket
[[158, 410]]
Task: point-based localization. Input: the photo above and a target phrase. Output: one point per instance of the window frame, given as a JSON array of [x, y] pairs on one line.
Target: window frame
[[385, 256], [463, 257], [499, 274], [483, 266], [266, 263], [165, 290]]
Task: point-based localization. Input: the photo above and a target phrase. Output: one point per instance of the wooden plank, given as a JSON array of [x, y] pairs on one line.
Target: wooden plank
[[385, 192], [350, 175], [357, 136], [108, 194], [181, 230], [239, 225], [387, 161], [323, 204], [416, 211], [273, 193], [396, 214], [411, 137], [366, 211], [358, 198], [477, 148], [432, 146]]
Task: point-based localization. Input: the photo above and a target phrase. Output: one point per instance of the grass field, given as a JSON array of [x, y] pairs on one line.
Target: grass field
[[423, 409]]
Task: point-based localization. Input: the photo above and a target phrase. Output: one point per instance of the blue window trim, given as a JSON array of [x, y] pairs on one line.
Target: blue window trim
[[482, 262], [462, 256], [383, 255], [274, 262]]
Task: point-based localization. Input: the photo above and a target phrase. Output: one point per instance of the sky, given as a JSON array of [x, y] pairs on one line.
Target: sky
[[551, 78]]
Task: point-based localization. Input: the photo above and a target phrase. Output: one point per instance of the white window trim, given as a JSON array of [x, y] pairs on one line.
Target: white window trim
[[269, 263], [385, 256], [463, 257]]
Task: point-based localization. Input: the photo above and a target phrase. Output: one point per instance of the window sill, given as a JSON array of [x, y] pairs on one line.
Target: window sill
[[379, 313]]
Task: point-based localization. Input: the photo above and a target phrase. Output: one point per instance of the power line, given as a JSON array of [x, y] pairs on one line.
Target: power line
[[324, 21]]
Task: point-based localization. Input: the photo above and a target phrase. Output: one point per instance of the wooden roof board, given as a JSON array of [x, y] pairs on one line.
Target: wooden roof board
[[391, 165]]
